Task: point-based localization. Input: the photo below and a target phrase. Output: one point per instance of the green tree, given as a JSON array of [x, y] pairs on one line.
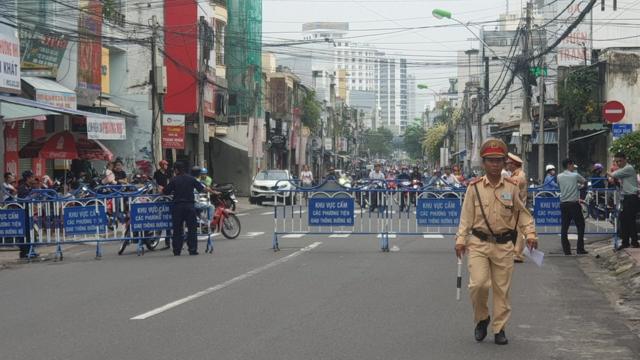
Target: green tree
[[630, 146], [433, 141], [577, 96], [377, 142], [311, 111], [412, 142]]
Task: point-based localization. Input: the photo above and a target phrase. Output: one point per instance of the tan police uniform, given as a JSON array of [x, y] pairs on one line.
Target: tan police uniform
[[521, 178], [491, 263]]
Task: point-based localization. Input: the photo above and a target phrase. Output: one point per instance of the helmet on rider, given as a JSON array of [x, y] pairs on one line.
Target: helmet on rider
[[598, 166], [549, 168], [204, 171]]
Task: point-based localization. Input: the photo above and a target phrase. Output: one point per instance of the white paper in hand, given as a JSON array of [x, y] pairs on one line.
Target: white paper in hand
[[536, 255]]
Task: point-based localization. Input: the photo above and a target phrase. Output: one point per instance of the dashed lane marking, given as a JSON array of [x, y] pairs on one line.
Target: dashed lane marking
[[433, 236], [340, 235], [293, 236], [225, 284]]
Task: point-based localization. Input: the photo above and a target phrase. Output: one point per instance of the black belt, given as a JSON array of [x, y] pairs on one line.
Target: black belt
[[509, 236]]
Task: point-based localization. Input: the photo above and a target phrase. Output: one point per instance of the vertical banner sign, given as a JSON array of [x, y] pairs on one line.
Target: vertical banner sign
[[331, 212], [11, 148], [9, 51], [546, 211], [173, 131], [89, 51], [438, 212], [38, 165]]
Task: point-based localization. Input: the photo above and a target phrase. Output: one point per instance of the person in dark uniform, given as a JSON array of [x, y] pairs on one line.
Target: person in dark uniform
[[182, 187]]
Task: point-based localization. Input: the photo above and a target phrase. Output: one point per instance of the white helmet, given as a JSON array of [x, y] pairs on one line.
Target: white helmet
[[550, 167]]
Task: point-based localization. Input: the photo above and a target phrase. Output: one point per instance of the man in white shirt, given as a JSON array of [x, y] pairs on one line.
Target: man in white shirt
[[8, 188], [376, 174]]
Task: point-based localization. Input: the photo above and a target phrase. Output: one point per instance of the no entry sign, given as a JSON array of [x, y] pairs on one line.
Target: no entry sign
[[613, 111]]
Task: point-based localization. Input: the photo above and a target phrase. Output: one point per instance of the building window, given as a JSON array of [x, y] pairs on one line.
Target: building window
[[220, 28]]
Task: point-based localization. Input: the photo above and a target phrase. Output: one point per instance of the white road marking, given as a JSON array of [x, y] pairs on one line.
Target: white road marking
[[223, 285], [573, 237], [268, 213], [205, 237], [293, 236], [340, 235], [433, 236], [391, 236], [394, 249], [242, 214], [254, 233]]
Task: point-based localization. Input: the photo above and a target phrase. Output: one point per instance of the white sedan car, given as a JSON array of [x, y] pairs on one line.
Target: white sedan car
[[265, 184]]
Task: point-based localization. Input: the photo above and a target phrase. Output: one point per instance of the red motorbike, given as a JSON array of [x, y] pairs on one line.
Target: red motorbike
[[224, 218]]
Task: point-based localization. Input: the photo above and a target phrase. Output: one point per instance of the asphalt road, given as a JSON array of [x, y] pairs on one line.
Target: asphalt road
[[318, 298]]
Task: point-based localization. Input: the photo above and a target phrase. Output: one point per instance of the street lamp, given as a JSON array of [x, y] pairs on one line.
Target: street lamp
[[444, 14]]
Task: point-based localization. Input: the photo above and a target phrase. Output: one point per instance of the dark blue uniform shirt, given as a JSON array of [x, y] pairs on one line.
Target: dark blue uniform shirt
[[182, 187]]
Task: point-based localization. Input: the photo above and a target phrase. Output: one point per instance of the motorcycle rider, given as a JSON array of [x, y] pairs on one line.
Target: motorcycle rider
[[376, 174], [205, 178], [402, 177], [596, 178], [550, 181]]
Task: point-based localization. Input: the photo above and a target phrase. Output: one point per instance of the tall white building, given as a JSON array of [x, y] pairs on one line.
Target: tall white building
[[412, 112]]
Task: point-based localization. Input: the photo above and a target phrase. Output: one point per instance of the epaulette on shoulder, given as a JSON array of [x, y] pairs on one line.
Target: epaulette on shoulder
[[475, 181], [510, 180]]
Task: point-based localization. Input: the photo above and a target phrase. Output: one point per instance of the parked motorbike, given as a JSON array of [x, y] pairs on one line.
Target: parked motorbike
[[224, 219]]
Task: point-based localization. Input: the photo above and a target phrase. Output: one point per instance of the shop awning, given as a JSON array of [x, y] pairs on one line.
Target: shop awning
[[232, 143], [112, 107], [550, 137], [42, 106], [596, 133], [12, 112], [50, 92]]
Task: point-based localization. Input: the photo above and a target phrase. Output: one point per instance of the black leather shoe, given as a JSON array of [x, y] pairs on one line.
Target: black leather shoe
[[568, 253], [193, 253], [501, 338], [582, 252], [481, 329]]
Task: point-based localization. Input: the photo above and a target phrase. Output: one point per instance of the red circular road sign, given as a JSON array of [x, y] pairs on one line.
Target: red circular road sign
[[613, 111]]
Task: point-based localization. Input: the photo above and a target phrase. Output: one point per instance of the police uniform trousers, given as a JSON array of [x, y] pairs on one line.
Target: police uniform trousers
[[184, 213], [490, 267]]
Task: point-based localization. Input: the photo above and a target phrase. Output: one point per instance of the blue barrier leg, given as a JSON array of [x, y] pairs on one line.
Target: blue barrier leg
[[59, 251], [98, 250], [385, 245], [209, 245], [32, 252], [140, 249], [275, 242]]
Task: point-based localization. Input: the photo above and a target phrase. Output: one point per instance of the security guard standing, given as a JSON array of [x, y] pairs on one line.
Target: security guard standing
[[491, 211], [514, 165]]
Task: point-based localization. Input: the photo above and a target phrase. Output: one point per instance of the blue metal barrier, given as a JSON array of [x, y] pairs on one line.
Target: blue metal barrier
[[107, 214], [373, 209]]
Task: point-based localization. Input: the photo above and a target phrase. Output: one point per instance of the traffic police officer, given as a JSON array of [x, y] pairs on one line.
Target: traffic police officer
[[514, 165], [491, 211]]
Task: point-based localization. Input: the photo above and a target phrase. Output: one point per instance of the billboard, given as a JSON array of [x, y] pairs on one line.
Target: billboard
[[42, 51], [173, 131], [89, 52]]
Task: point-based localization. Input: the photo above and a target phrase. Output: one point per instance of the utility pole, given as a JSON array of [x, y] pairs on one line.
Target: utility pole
[[525, 121], [202, 76], [541, 125], [156, 122]]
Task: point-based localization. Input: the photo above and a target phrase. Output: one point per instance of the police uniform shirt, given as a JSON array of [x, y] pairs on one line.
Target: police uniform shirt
[[182, 187], [501, 205], [519, 176]]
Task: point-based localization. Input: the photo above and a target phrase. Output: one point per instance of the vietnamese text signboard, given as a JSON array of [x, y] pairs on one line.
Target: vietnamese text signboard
[[173, 131], [112, 128], [546, 211], [9, 51], [82, 220], [438, 212], [12, 223], [151, 217], [331, 212]]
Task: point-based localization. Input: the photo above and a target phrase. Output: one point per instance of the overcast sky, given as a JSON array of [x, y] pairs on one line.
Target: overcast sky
[[381, 23]]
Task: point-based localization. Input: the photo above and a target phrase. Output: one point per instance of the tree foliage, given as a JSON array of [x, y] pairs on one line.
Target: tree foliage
[[311, 111], [377, 142], [577, 96], [630, 146], [412, 142], [433, 141]]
